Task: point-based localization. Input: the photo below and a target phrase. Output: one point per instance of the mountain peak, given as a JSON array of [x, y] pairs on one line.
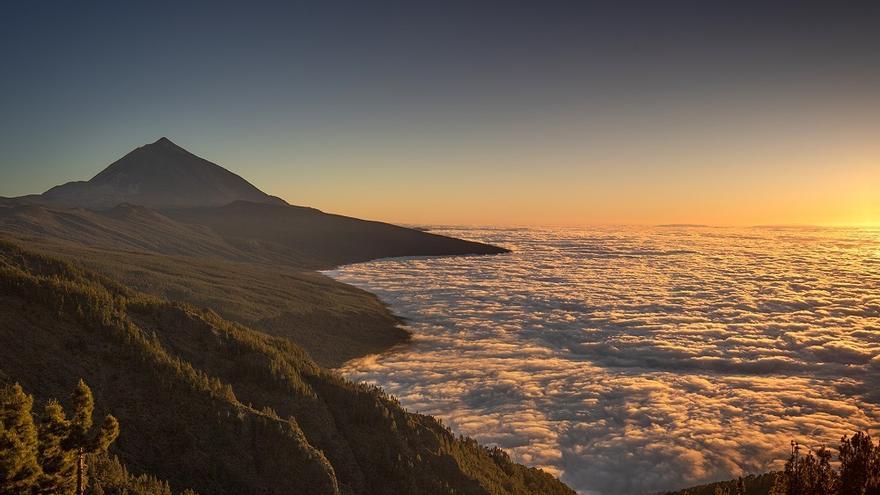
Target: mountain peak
[[160, 175], [163, 143]]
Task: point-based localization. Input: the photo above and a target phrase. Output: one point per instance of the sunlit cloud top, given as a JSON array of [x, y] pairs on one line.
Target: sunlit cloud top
[[630, 360], [559, 113]]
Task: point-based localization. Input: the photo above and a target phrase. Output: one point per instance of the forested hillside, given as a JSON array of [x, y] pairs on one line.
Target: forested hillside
[[213, 405]]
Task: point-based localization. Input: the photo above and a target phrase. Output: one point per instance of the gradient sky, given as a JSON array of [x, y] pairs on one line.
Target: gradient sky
[[448, 112]]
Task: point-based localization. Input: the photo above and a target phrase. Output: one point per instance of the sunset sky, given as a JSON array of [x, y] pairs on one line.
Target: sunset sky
[[558, 113]]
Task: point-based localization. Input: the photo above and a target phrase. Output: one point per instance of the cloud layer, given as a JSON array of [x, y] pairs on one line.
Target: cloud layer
[[635, 360]]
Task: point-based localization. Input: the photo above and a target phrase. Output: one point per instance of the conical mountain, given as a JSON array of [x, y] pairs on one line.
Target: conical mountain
[[159, 175]]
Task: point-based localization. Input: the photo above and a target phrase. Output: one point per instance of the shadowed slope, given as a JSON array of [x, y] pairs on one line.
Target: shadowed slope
[[124, 227], [241, 231], [323, 240], [262, 281], [264, 288]]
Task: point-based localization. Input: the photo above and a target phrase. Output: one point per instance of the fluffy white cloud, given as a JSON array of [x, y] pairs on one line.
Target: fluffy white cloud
[[635, 360]]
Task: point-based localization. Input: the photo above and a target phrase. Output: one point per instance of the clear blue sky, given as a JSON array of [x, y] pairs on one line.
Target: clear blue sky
[[546, 112]]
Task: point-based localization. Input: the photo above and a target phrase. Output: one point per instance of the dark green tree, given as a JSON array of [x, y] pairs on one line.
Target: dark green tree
[[43, 457], [858, 472], [859, 465], [806, 474], [83, 438], [57, 460], [19, 467]]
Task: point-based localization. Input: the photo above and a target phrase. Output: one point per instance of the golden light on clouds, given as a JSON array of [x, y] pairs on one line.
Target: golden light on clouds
[[670, 347]]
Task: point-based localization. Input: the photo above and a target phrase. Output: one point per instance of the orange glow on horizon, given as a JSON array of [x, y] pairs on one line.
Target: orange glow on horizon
[[827, 176]]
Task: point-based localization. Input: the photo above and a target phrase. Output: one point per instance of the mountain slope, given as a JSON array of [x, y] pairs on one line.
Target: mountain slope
[[123, 227], [240, 231], [264, 281], [320, 239], [266, 290], [160, 174], [202, 401]]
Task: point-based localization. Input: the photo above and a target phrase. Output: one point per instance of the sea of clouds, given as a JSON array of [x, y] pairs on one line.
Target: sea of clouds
[[632, 360]]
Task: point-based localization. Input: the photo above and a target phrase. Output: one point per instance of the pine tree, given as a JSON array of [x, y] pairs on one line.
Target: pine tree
[[49, 458], [56, 458], [19, 467], [813, 474], [806, 474], [106, 435], [83, 406], [83, 438], [855, 456]]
